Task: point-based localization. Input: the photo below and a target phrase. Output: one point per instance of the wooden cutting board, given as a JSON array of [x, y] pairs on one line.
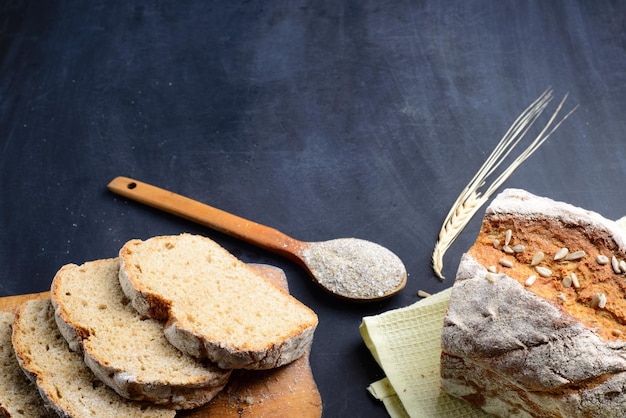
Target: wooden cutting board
[[285, 392]]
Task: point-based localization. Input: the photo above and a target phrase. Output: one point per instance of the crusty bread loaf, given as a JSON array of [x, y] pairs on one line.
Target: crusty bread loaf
[[18, 395], [63, 379], [527, 335], [215, 305], [128, 353]]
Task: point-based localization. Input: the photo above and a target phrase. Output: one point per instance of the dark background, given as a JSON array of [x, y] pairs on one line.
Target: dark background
[[323, 119]]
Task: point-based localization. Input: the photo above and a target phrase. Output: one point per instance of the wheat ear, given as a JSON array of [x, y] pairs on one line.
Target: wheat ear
[[471, 199]]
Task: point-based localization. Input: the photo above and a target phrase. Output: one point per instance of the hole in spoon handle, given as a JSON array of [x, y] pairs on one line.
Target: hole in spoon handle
[[203, 214]]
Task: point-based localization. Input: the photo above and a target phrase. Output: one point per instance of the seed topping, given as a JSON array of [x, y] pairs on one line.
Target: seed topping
[[567, 281], [615, 265], [575, 281], [519, 248], [507, 237], [561, 254], [576, 255], [505, 262], [491, 277], [537, 258], [598, 300], [543, 271], [602, 259], [531, 280]]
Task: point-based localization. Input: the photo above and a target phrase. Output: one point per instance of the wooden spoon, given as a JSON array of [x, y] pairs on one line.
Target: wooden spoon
[[350, 268]]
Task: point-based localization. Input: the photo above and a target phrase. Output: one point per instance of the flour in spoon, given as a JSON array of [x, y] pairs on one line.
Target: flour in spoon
[[355, 268]]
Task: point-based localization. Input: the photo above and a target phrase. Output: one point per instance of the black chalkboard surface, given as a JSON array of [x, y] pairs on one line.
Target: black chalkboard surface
[[322, 119]]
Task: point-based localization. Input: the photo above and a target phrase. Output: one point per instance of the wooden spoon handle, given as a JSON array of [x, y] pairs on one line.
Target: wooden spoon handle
[[184, 207]]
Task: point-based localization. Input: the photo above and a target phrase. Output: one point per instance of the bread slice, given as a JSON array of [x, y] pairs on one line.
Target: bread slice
[[527, 335], [216, 306], [18, 395], [128, 353], [63, 379]]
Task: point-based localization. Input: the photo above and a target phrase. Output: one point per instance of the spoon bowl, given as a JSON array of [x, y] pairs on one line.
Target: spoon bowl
[[349, 268]]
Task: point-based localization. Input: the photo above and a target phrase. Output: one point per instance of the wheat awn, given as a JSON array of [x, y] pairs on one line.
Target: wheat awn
[[471, 199]]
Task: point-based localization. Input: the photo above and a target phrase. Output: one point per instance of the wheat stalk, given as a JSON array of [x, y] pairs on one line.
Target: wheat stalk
[[471, 199]]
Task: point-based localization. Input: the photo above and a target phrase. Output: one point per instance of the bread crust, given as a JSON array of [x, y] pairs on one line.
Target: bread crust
[[270, 357], [186, 337], [515, 353]]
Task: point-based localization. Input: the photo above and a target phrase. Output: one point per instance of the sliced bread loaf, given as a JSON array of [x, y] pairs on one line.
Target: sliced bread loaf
[[18, 395], [63, 379], [216, 306], [128, 353]]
